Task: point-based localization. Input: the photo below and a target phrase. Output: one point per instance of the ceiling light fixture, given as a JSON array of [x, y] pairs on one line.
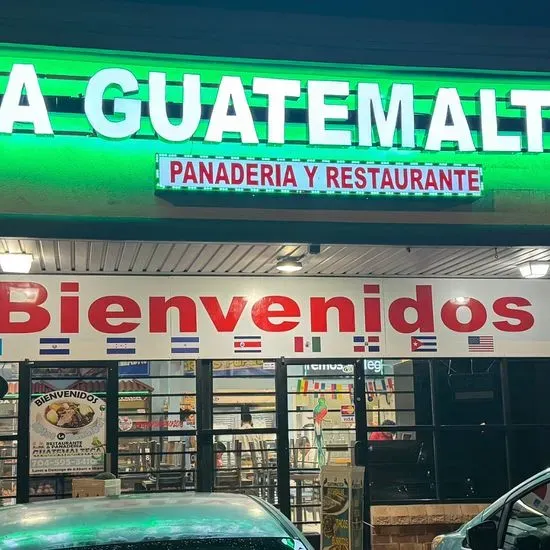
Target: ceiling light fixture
[[15, 263], [288, 265], [534, 270]]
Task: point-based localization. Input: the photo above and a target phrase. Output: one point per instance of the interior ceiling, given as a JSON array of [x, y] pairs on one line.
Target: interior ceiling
[[69, 256]]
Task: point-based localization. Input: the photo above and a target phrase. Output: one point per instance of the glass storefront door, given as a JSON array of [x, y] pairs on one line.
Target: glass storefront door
[[157, 444], [321, 430], [244, 428]]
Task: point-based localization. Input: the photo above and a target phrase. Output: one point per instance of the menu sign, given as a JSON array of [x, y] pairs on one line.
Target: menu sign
[[67, 433], [342, 507]]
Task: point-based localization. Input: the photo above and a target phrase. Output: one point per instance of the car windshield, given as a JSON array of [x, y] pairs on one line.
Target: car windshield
[[198, 544]]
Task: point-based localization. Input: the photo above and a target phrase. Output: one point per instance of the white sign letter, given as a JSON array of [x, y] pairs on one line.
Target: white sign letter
[[401, 103], [491, 139], [277, 90], [448, 102], [533, 101], [318, 112], [23, 78], [130, 108], [191, 97], [231, 90]]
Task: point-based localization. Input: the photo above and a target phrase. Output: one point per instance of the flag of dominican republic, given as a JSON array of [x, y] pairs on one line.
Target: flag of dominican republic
[[362, 344], [55, 346], [121, 345], [185, 344], [247, 344]]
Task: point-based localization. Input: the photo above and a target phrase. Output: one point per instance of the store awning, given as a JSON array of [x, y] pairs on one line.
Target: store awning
[[151, 258]]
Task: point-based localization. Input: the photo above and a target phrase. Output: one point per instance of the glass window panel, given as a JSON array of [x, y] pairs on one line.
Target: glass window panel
[[529, 381], [472, 464], [157, 463], [46, 488], [246, 465], [8, 472], [469, 391], [401, 470], [397, 393], [9, 404], [305, 500], [321, 421], [257, 368], [158, 397], [244, 395], [161, 397], [529, 452]]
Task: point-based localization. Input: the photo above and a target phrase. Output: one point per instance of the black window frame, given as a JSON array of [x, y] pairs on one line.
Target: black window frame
[[205, 432]]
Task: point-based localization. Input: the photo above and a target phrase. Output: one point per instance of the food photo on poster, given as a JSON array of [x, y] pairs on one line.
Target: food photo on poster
[[67, 433]]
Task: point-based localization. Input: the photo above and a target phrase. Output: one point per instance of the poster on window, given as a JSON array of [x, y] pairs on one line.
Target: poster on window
[[67, 433]]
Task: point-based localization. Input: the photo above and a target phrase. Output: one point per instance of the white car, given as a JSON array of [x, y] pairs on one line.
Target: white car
[[519, 520]]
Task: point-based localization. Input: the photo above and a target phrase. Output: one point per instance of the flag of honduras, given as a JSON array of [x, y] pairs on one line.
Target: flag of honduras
[[55, 346], [124, 345]]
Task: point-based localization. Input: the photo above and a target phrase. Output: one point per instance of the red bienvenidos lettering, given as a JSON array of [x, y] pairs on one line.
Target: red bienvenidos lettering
[[478, 315], [23, 311], [507, 307], [422, 305], [227, 322], [100, 314], [25, 299], [263, 312], [319, 308]]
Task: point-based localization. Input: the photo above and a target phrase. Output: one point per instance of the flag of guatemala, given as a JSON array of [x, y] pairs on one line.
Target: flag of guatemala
[[55, 346], [185, 344], [121, 345]]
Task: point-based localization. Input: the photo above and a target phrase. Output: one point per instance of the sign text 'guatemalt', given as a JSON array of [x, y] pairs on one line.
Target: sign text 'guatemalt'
[[228, 124], [150, 318]]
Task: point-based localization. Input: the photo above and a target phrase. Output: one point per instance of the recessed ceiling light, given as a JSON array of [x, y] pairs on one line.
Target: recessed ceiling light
[[534, 270], [289, 265], [15, 263]]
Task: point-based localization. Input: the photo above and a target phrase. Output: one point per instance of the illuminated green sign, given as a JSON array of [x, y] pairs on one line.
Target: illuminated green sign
[[224, 124]]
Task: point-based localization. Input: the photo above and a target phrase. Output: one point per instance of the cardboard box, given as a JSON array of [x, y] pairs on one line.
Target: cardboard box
[[89, 487]]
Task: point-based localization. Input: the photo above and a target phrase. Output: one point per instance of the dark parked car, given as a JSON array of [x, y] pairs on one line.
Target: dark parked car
[[170, 521]]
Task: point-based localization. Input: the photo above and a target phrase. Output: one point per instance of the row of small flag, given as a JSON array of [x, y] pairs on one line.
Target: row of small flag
[[305, 386], [126, 345], [475, 343], [361, 344]]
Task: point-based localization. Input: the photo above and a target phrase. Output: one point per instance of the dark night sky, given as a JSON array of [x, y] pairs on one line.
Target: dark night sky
[[503, 12]]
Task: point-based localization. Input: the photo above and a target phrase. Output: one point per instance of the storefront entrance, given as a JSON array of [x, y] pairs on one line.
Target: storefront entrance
[[261, 427]]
